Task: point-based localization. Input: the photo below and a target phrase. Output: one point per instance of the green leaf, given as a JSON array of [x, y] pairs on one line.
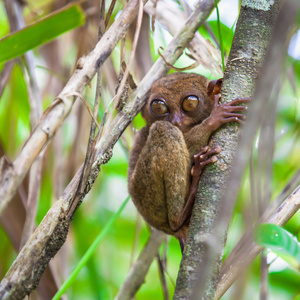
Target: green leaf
[[227, 34], [41, 32], [220, 36], [279, 241]]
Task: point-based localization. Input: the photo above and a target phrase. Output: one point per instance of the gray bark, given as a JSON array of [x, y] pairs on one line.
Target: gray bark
[[200, 266]]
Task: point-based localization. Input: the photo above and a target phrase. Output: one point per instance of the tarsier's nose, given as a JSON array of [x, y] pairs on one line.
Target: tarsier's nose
[[176, 120]]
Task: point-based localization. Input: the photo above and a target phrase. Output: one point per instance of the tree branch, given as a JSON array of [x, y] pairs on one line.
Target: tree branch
[[172, 17], [238, 260], [205, 243], [246, 250], [138, 271]]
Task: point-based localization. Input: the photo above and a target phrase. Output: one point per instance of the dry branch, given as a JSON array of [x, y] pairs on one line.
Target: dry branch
[[246, 250], [172, 17], [24, 274], [139, 269], [56, 113], [15, 17]]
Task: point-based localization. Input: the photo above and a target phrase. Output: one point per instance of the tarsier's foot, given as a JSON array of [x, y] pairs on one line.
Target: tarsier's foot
[[181, 235], [204, 157], [228, 112]]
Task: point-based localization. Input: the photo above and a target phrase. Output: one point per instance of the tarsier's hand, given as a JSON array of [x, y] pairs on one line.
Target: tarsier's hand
[[227, 112], [204, 157]]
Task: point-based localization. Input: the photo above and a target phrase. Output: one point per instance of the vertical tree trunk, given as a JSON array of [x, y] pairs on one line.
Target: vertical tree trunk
[[197, 274]]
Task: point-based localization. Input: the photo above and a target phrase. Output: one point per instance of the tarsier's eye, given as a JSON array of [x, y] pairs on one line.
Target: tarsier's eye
[[190, 103], [159, 107]]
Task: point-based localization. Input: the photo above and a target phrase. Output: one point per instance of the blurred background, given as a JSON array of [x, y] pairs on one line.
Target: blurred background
[[54, 62]]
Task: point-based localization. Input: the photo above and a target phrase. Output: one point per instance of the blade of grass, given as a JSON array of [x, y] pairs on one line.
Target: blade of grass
[[220, 36], [89, 252], [41, 32]]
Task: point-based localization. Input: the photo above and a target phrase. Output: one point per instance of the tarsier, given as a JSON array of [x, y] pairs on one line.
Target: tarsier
[[170, 152]]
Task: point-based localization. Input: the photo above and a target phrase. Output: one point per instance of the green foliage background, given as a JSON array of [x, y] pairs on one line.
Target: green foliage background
[[109, 266]]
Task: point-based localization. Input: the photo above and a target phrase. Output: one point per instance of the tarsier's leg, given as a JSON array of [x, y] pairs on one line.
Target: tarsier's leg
[[221, 114], [204, 157], [161, 173], [161, 183]]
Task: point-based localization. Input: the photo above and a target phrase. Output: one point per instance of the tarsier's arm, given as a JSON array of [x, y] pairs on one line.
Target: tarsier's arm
[[221, 114], [198, 137]]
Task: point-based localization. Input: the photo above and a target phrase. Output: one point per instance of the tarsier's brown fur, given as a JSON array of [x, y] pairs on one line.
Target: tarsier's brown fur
[[163, 170]]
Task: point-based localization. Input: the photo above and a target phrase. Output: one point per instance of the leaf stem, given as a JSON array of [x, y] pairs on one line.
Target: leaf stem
[[220, 36]]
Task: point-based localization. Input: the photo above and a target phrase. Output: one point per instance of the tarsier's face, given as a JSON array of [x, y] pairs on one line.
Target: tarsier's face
[[179, 98]]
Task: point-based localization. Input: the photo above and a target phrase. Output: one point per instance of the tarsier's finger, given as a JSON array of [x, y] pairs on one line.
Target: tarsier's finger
[[197, 156], [239, 101], [234, 115], [217, 98], [210, 160], [203, 155], [234, 108], [203, 158], [197, 168], [215, 150], [202, 151], [233, 119]]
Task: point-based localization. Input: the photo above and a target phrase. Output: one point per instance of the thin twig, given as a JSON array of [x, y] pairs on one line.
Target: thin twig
[[132, 53], [89, 158], [94, 118], [190, 67], [140, 268], [110, 10], [14, 13], [162, 276], [167, 13], [5, 74], [263, 277]]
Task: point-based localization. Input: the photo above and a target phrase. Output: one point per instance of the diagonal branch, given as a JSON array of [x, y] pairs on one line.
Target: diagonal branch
[[169, 14], [25, 273], [138, 271], [246, 250]]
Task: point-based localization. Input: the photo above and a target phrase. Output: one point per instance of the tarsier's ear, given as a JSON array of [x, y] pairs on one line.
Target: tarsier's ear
[[143, 109], [214, 87]]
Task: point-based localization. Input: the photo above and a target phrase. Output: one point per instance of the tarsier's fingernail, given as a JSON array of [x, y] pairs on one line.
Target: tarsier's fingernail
[[214, 159], [218, 149]]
